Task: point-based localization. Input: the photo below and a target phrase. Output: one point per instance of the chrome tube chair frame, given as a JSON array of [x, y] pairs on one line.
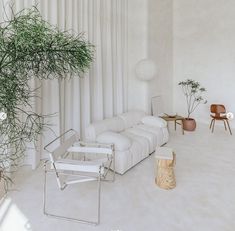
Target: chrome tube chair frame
[[82, 169]]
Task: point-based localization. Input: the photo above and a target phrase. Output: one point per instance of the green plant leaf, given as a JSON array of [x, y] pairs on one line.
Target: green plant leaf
[[31, 48]]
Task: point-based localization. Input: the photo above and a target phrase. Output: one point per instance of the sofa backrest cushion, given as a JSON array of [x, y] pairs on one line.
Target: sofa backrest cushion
[[121, 142], [132, 118], [154, 121], [114, 124]]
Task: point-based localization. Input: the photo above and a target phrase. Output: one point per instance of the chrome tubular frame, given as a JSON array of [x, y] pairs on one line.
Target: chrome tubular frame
[[112, 162], [65, 217], [100, 177]]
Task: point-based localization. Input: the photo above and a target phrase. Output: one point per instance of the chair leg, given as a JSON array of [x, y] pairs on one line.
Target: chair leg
[[111, 167], [99, 187], [229, 127], [213, 126], [44, 190], [69, 218], [225, 125], [211, 123]]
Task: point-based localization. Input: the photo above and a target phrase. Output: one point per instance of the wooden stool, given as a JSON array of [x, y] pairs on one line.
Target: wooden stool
[[164, 164]]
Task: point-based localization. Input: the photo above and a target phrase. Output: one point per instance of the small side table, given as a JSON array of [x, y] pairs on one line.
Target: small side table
[[165, 160], [175, 119]]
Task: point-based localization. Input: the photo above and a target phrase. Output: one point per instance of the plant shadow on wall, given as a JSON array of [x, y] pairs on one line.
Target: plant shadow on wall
[[31, 48], [193, 93]]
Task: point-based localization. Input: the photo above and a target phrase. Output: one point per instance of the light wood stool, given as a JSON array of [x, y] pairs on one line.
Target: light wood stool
[[165, 160]]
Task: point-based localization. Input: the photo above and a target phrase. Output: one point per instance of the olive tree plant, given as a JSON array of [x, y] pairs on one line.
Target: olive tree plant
[[193, 93], [31, 48]]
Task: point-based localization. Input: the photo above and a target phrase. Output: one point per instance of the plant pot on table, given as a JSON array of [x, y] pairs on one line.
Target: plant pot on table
[[189, 124]]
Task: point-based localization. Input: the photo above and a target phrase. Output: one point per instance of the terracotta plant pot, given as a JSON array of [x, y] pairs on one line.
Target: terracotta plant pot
[[189, 124]]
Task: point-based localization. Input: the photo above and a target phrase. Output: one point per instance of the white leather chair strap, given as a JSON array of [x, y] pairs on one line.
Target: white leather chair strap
[[90, 150], [79, 166]]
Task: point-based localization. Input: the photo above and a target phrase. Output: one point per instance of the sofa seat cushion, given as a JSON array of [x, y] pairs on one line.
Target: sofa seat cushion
[[165, 133], [152, 139], [144, 144], [157, 131], [114, 124], [154, 121], [136, 152], [123, 161], [120, 141]]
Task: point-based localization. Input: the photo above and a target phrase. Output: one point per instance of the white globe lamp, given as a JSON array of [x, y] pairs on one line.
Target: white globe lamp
[[145, 69]]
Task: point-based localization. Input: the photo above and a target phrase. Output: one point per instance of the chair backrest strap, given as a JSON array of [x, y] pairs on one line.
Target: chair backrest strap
[[90, 150], [78, 166]]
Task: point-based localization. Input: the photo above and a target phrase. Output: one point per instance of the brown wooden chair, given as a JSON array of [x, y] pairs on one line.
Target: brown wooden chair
[[219, 113]]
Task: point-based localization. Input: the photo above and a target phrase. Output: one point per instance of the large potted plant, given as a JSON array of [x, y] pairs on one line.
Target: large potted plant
[[31, 48], [193, 93]]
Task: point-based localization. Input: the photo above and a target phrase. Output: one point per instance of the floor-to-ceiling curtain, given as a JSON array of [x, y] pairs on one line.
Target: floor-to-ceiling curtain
[[100, 93]]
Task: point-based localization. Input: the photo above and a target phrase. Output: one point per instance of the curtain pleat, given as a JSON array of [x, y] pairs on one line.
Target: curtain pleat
[[114, 52], [119, 81], [85, 81], [124, 54], [97, 66], [107, 62], [101, 92]]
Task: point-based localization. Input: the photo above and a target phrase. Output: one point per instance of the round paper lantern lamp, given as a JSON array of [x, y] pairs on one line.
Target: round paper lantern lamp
[[145, 69]]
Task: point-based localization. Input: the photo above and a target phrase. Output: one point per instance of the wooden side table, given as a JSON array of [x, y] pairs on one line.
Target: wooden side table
[[175, 119], [165, 160]]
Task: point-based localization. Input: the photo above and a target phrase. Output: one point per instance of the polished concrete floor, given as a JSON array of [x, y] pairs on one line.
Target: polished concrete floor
[[204, 199]]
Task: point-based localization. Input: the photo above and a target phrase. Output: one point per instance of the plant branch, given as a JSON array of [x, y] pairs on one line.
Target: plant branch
[[31, 48]]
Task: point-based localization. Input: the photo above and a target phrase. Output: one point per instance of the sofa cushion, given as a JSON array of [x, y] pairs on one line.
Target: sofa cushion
[[165, 137], [152, 139], [123, 161], [132, 118], [154, 121], [142, 141], [121, 142], [158, 133], [112, 124]]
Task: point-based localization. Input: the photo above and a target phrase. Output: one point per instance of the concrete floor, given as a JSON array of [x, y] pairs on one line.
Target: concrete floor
[[204, 199]]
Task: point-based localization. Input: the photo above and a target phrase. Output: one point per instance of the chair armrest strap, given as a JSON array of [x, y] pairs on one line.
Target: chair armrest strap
[[79, 166]]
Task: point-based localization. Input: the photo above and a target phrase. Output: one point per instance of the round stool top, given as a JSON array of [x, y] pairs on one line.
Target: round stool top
[[164, 153]]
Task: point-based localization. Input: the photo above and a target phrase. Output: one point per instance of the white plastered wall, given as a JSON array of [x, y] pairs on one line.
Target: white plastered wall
[[160, 41], [204, 50]]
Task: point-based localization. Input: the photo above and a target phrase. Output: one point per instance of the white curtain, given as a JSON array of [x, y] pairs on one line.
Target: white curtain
[[102, 92]]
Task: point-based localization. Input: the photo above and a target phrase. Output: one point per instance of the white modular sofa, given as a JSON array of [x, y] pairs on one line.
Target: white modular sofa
[[134, 134]]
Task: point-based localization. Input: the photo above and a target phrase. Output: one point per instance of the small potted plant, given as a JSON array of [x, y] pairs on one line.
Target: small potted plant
[[193, 92]]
